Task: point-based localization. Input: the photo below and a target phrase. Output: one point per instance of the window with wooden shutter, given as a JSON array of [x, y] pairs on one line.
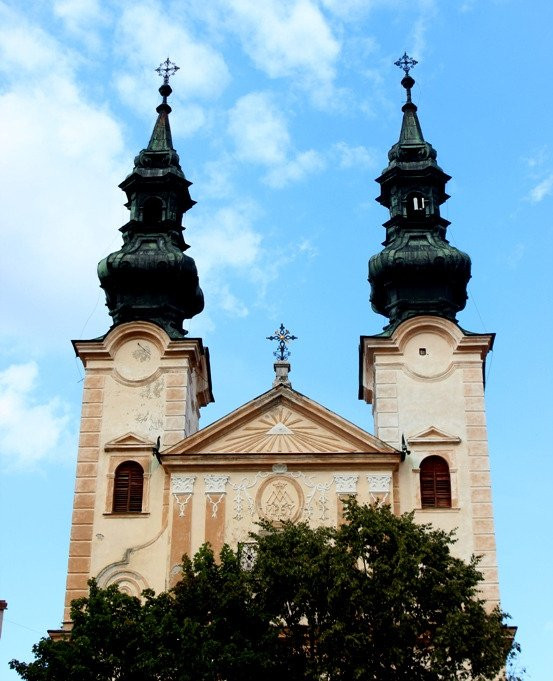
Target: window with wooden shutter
[[435, 483], [127, 488]]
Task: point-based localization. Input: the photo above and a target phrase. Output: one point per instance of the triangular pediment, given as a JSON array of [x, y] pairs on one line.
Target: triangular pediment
[[281, 421], [129, 441], [434, 435]]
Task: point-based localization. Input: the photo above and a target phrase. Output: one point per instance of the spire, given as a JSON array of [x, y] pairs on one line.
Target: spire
[[150, 278], [161, 139], [418, 272]]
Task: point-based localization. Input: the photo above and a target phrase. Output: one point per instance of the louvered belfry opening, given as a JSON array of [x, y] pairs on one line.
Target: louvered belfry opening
[[435, 483], [127, 489]]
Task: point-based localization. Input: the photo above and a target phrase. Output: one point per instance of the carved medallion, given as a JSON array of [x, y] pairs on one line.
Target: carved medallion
[[137, 360], [279, 499]]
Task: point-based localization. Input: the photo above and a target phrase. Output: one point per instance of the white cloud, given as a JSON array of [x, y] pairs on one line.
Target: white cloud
[[216, 181], [303, 164], [61, 205], [354, 157], [226, 239], [538, 158], [288, 38], [514, 258], [226, 247], [81, 17], [26, 51], [230, 303], [30, 429], [259, 130], [427, 11], [348, 9], [144, 32], [260, 134], [541, 190]]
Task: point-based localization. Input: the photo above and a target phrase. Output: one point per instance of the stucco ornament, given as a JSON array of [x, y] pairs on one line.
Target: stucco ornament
[[379, 483], [182, 488], [346, 483], [280, 499], [215, 484], [182, 484]]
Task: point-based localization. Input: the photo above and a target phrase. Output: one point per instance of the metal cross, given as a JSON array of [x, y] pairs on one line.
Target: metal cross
[[406, 63], [167, 69], [283, 336]]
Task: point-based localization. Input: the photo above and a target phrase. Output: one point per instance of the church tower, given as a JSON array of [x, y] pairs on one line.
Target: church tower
[[145, 380], [424, 374]]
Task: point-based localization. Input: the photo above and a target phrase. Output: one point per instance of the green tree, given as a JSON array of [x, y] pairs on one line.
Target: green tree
[[378, 598]]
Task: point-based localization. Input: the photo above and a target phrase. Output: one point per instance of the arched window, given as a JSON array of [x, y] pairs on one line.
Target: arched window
[[435, 483], [416, 206], [127, 488], [152, 211]]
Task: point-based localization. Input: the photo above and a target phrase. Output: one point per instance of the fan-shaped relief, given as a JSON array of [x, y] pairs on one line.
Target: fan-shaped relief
[[282, 430], [127, 581]]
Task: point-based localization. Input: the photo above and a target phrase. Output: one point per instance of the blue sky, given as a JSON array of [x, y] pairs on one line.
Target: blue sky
[[283, 113]]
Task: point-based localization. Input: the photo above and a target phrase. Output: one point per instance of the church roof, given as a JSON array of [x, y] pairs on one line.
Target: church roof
[[282, 422]]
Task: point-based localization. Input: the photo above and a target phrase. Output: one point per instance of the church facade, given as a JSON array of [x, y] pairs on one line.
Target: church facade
[[151, 486]]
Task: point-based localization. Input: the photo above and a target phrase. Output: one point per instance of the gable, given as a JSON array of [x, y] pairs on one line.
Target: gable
[[433, 435], [281, 421], [129, 441]]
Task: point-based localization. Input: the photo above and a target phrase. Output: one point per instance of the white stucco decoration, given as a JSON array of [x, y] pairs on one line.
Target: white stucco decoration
[[346, 483], [182, 484], [379, 482], [215, 484]]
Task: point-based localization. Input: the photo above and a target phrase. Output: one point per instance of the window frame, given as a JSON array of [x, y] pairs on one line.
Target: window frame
[[441, 493], [133, 490]]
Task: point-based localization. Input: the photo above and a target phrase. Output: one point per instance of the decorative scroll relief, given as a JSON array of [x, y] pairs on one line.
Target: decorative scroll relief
[[346, 483], [182, 488], [379, 483], [290, 496]]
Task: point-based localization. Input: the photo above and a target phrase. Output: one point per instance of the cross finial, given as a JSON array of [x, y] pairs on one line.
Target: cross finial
[[283, 336], [167, 69], [406, 63]]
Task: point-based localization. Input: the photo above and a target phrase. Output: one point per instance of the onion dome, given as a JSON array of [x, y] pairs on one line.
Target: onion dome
[[150, 278], [418, 272]]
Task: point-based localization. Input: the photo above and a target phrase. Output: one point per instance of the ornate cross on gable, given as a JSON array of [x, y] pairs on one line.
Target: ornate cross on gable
[[283, 336]]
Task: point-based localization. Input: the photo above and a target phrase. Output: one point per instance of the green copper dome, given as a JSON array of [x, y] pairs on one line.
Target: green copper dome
[[150, 278], [418, 272]]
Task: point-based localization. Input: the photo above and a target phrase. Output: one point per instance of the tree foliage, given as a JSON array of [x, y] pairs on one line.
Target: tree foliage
[[378, 598]]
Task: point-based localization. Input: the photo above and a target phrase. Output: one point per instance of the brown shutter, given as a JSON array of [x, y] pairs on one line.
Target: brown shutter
[[435, 483], [127, 488]]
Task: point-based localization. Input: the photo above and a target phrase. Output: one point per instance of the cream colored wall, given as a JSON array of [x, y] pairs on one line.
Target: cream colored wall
[[249, 494], [426, 383], [138, 385]]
